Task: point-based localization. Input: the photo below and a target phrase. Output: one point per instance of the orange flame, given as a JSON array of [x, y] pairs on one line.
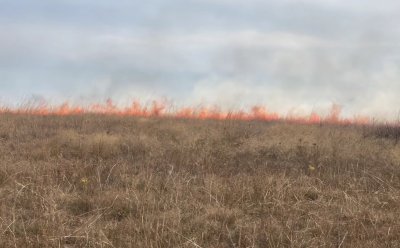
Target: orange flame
[[160, 109]]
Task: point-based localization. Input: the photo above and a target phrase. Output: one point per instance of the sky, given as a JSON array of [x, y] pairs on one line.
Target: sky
[[288, 55]]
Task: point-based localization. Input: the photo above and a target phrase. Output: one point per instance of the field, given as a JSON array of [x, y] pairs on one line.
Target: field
[[108, 181]]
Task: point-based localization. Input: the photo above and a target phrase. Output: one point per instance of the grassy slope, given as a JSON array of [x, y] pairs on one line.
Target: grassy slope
[[127, 182]]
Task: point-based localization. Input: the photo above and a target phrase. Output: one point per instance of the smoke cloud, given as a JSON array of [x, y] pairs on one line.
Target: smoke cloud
[[287, 55]]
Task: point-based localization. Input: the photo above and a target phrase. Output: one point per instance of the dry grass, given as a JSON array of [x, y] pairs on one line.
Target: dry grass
[[96, 181]]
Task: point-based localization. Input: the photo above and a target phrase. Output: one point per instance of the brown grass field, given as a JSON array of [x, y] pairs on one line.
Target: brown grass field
[[108, 181]]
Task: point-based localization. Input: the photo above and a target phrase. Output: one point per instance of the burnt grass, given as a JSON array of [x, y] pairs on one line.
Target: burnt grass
[[104, 181]]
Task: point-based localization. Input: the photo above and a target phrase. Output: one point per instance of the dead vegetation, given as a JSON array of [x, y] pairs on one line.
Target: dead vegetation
[[97, 181]]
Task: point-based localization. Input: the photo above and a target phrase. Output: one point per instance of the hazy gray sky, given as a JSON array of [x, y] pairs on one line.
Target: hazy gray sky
[[285, 54]]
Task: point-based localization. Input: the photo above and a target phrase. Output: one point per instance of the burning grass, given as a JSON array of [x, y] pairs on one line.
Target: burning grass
[[168, 110], [110, 181]]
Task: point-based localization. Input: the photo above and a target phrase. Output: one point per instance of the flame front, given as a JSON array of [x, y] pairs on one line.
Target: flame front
[[160, 109]]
